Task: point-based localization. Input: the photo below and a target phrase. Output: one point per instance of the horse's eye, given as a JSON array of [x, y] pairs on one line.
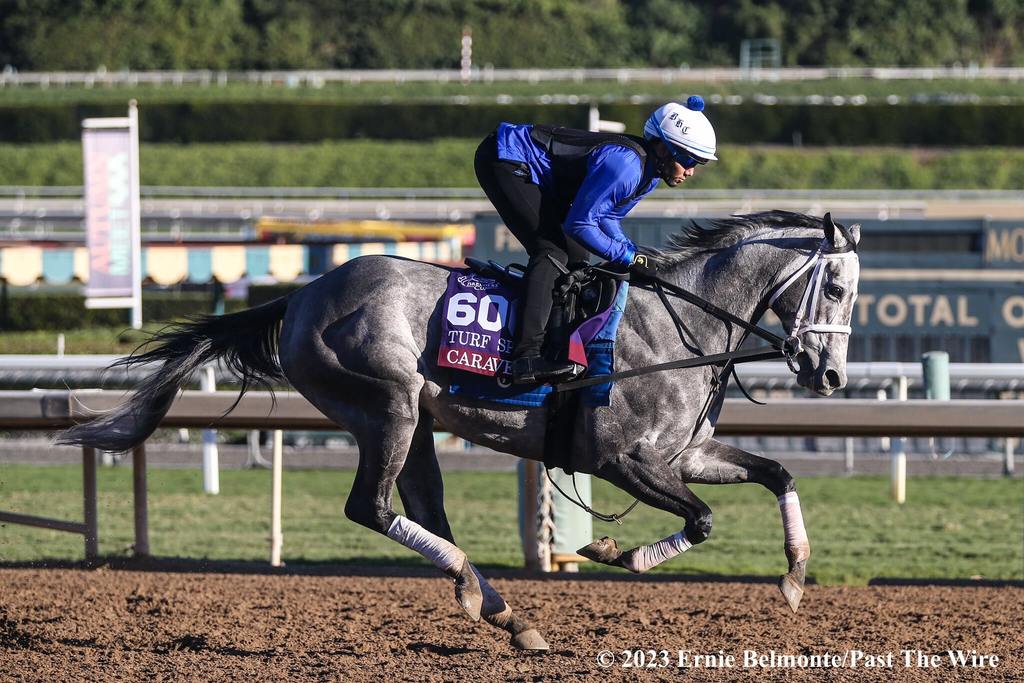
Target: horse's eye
[[834, 292]]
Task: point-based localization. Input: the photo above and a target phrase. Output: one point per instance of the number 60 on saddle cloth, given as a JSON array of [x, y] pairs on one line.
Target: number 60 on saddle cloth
[[477, 328]]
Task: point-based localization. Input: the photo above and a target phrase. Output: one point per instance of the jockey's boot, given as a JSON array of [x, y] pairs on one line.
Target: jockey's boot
[[535, 369]]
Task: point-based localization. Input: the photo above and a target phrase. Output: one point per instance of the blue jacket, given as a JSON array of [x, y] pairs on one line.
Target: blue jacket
[[616, 180]]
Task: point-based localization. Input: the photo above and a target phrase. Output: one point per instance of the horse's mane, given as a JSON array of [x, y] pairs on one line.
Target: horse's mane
[[721, 233]]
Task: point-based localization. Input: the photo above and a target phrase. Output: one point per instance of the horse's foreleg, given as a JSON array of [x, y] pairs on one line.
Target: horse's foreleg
[[717, 463], [422, 491], [656, 485]]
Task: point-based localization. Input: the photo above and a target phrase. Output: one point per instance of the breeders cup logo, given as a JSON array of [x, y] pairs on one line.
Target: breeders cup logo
[[480, 284]]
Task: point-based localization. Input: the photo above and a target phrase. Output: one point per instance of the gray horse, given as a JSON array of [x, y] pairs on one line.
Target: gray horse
[[360, 342]]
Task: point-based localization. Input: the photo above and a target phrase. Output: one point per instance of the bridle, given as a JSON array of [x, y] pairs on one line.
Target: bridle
[[804, 319]]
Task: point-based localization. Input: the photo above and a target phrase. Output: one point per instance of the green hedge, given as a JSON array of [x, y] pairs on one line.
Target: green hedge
[[264, 293], [449, 163], [297, 122], [67, 311], [442, 163], [605, 92], [192, 122]]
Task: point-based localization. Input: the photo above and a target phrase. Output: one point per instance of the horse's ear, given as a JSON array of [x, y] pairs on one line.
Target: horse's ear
[[839, 237]]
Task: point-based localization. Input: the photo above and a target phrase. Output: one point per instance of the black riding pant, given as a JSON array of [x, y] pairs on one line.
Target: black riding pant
[[536, 221]]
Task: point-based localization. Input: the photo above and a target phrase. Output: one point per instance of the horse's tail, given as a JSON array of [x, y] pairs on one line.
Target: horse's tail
[[246, 342]]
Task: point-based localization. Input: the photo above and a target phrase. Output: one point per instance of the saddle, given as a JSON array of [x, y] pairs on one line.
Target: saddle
[[580, 293]]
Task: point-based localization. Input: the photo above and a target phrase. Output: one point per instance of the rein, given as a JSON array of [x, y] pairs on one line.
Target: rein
[[788, 347], [779, 347]]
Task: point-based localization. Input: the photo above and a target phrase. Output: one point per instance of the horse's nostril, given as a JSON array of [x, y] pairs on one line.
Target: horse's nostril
[[832, 380]]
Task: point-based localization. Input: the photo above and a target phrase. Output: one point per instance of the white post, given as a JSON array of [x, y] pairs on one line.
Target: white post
[[136, 215], [849, 455], [899, 453], [1011, 444], [883, 443], [466, 54], [276, 537], [211, 469], [595, 123]]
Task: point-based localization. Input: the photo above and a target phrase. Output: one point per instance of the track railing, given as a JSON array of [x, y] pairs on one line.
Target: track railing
[[51, 410]]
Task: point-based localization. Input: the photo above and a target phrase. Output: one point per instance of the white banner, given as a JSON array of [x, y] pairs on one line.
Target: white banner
[[110, 149]]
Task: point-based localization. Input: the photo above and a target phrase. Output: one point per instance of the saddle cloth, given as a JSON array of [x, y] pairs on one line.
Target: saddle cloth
[[477, 326]]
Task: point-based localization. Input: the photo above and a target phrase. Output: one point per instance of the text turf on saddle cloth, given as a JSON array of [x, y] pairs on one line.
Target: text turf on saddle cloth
[[478, 325]]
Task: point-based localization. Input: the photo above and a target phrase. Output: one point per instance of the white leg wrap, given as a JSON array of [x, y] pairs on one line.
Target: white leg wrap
[[793, 520], [643, 557], [446, 556]]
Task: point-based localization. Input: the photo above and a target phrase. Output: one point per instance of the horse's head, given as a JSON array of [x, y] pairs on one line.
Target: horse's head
[[815, 304]]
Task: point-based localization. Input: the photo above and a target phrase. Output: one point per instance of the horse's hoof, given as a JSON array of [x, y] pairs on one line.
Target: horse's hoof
[[529, 640], [791, 590], [468, 593], [605, 551]]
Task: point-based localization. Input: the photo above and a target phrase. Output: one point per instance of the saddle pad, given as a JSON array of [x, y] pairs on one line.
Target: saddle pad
[[477, 322], [476, 325]]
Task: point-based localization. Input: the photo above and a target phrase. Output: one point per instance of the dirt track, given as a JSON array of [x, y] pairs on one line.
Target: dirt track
[[106, 624]]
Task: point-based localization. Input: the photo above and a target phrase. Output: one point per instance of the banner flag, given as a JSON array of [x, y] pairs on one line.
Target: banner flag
[[110, 149]]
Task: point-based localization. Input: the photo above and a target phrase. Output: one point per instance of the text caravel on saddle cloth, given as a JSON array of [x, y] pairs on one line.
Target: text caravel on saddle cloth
[[478, 323]]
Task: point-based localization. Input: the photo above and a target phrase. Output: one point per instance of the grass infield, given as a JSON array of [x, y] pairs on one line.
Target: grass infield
[[91, 340], [955, 528]]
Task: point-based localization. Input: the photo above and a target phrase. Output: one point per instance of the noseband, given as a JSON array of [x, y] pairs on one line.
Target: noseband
[[804, 320]]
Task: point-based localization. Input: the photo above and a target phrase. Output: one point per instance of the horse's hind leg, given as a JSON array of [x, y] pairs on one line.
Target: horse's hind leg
[[422, 491], [385, 439], [718, 463], [654, 483]]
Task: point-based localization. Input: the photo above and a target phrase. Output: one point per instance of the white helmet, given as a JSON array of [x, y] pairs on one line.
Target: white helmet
[[684, 127]]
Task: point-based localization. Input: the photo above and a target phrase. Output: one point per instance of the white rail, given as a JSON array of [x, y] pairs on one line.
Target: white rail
[[28, 410], [884, 373], [269, 193], [877, 373], [320, 78]]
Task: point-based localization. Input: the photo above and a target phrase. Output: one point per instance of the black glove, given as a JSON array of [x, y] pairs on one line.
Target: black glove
[[644, 265]]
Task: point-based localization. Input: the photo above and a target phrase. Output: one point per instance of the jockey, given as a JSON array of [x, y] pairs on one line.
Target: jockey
[[562, 192]]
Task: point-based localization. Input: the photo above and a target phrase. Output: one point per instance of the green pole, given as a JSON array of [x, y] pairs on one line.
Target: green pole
[[936, 375], [935, 368], [551, 527], [574, 528]]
